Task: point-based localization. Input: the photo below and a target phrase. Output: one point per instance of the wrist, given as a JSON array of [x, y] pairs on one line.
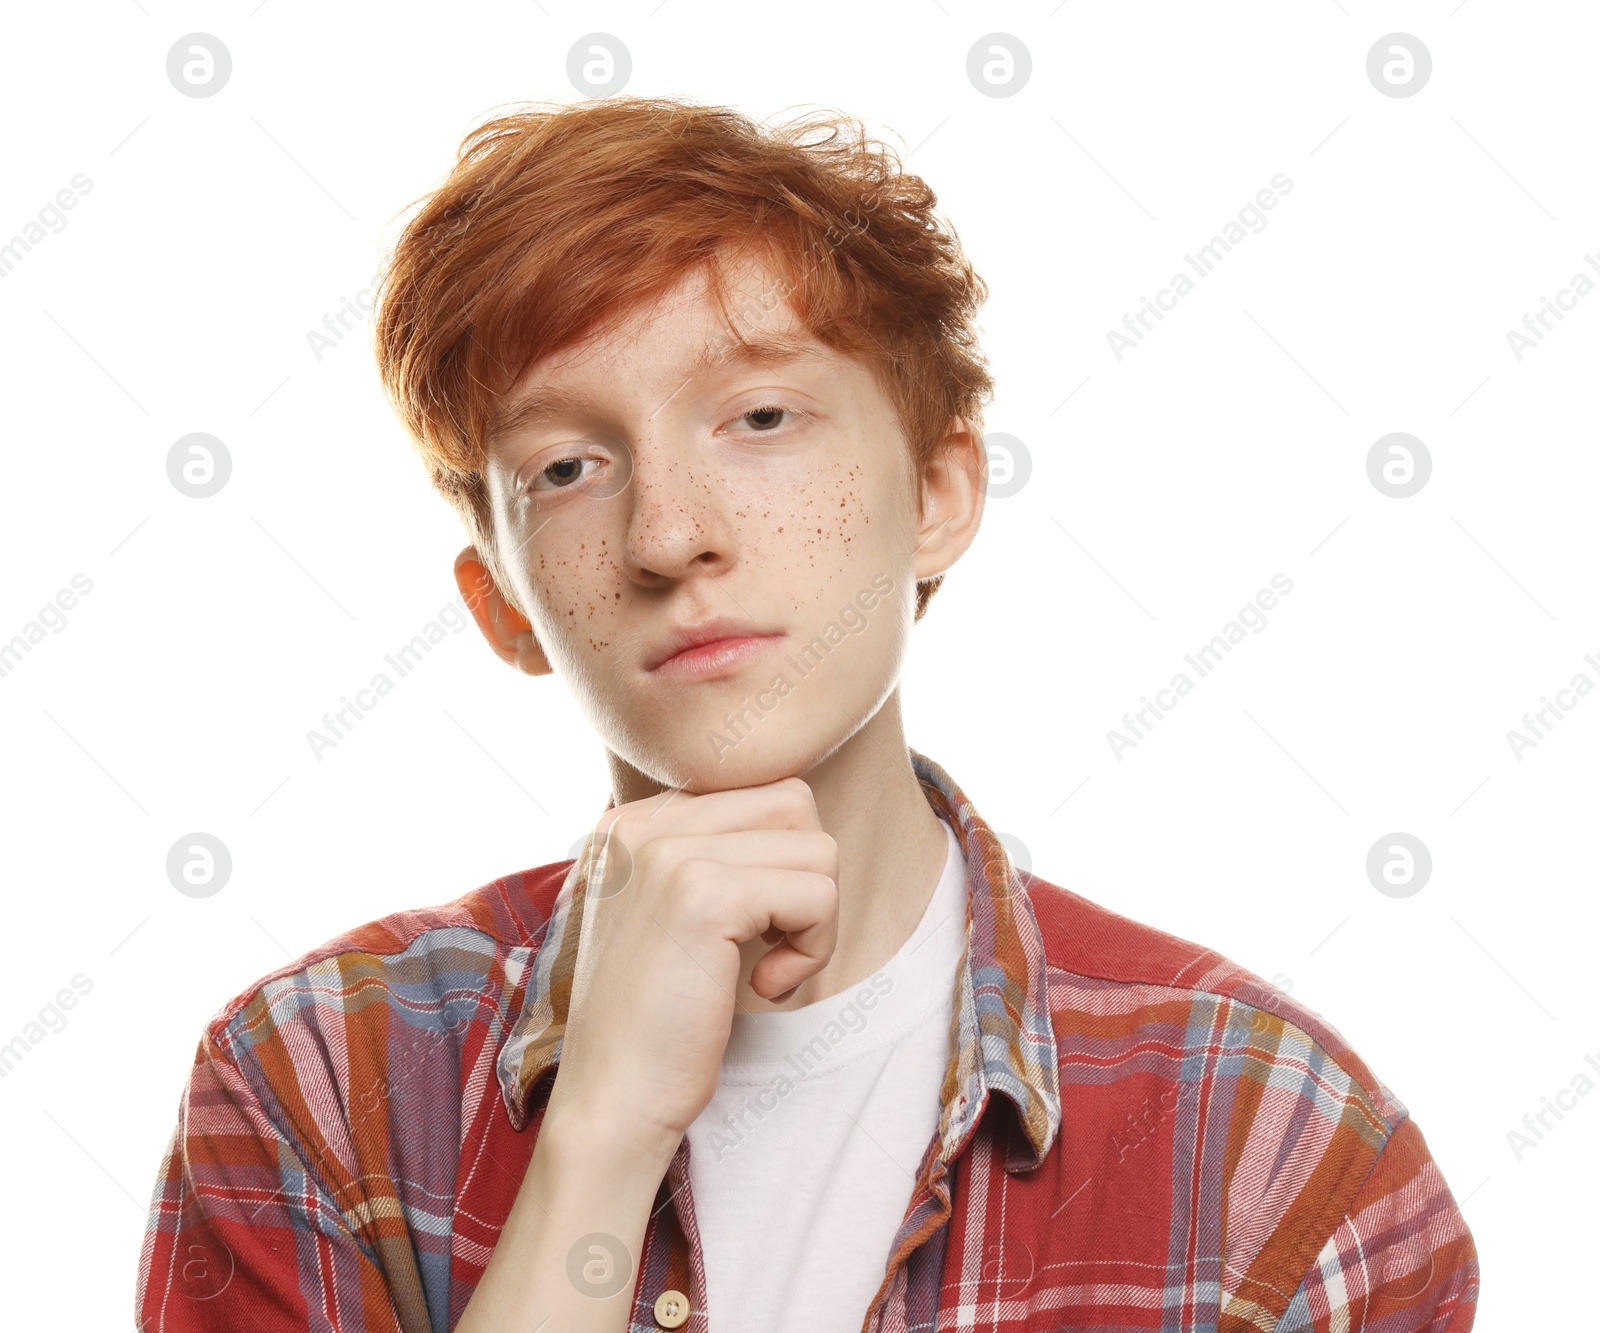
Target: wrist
[[599, 1143]]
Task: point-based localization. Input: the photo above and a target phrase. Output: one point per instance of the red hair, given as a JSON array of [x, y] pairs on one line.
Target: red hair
[[557, 221]]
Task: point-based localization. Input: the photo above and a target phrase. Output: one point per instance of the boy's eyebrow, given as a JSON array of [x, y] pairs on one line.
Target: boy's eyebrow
[[542, 403]]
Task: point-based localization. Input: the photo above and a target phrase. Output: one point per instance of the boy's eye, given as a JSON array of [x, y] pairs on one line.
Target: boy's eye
[[764, 417], [560, 474]]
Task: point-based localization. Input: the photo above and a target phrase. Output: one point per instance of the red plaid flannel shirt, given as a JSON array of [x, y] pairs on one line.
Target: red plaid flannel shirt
[[1136, 1135]]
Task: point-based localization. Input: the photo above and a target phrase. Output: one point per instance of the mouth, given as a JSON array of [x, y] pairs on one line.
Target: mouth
[[712, 658]]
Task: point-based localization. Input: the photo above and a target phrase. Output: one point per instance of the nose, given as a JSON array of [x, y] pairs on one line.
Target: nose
[[679, 518]]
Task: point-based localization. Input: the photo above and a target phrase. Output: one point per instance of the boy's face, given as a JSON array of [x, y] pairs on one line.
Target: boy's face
[[656, 492]]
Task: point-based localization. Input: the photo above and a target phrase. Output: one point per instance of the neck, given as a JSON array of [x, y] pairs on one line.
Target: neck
[[891, 852]]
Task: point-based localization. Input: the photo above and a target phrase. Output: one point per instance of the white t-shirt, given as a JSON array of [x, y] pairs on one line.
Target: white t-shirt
[[803, 1163]]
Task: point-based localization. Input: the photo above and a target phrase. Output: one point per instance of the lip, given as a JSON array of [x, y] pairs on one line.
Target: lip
[[682, 635], [719, 656], [710, 657]]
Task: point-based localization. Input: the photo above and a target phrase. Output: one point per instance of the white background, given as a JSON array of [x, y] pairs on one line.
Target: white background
[[1230, 445]]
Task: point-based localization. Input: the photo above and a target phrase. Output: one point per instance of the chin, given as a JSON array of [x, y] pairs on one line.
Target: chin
[[701, 763]]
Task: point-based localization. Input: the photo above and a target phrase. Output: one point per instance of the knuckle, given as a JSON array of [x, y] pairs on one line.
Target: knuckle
[[693, 887], [660, 861]]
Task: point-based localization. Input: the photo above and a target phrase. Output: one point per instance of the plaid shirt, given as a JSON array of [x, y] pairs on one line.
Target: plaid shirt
[[1136, 1134]]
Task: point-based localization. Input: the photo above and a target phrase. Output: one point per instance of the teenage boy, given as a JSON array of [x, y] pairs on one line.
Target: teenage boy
[[793, 1043]]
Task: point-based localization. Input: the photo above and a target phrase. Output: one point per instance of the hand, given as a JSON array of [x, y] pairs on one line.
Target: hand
[[660, 958]]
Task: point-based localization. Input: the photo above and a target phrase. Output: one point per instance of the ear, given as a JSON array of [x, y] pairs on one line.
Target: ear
[[507, 632], [952, 490]]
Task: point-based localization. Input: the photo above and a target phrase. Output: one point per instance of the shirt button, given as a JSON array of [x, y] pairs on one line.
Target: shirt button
[[672, 1309]]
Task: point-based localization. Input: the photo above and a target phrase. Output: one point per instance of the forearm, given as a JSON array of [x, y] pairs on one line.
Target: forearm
[[585, 1178]]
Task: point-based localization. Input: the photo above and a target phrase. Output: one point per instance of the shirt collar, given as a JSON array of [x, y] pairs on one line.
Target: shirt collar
[[1004, 1041]]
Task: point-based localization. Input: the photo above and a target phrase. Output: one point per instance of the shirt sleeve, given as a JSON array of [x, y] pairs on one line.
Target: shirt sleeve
[[1401, 1260], [242, 1233]]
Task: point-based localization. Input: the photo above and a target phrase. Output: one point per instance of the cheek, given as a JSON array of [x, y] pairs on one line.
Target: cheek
[[576, 589], [848, 509], [823, 522]]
